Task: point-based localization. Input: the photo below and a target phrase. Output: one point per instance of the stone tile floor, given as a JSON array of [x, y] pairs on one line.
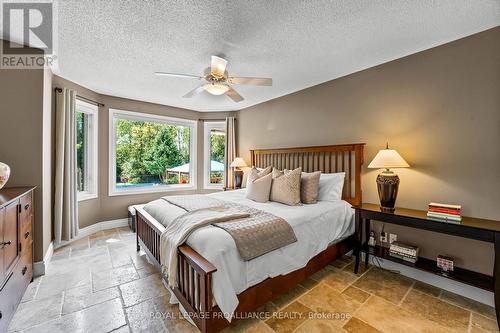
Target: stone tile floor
[[101, 284]]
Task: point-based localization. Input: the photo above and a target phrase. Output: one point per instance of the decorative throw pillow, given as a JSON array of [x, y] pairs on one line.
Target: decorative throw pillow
[[259, 186], [286, 187], [331, 186], [277, 173], [260, 172], [309, 186]]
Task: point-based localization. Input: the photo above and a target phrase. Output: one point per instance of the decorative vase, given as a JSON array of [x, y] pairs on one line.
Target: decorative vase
[[387, 185], [4, 174]]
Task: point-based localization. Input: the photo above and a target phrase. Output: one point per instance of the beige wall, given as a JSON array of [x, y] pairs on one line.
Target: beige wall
[[439, 108], [48, 137], [106, 207], [25, 115]]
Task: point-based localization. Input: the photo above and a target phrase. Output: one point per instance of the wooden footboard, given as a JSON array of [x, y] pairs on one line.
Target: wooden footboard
[[194, 276], [194, 290]]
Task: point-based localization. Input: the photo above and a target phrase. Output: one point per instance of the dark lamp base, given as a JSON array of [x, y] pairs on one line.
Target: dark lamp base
[[238, 178], [387, 185]]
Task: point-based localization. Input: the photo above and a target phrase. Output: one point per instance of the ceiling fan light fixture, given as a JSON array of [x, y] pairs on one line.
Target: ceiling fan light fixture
[[216, 88], [218, 66], [218, 81]]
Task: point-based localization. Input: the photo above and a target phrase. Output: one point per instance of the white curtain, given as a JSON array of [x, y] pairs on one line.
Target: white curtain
[[65, 197], [230, 152]]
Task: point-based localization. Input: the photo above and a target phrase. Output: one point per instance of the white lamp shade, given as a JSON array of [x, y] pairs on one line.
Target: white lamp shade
[[238, 163], [388, 159]]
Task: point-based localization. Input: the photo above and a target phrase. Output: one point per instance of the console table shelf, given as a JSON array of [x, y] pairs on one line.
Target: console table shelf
[[470, 227], [466, 276]]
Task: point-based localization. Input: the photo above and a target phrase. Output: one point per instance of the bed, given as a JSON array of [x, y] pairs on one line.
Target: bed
[[213, 283]]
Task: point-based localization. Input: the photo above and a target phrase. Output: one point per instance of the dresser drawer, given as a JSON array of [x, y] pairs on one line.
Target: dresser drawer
[[2, 272], [26, 209], [26, 242], [11, 293], [10, 237], [26, 236]]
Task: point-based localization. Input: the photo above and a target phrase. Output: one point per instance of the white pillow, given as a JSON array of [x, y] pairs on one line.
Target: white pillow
[[330, 186], [246, 172], [259, 185]]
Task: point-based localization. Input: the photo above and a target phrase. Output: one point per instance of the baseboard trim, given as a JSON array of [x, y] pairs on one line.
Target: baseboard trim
[[477, 294], [99, 226], [40, 266]]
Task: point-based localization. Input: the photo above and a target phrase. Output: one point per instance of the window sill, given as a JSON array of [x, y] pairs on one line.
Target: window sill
[[213, 187], [160, 189], [84, 196]]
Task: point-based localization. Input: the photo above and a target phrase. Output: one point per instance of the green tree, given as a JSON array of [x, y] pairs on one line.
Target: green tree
[[123, 146], [218, 143], [80, 149], [162, 154], [137, 149], [133, 141]]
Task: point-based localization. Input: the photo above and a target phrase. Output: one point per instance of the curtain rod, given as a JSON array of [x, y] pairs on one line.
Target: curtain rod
[[85, 99]]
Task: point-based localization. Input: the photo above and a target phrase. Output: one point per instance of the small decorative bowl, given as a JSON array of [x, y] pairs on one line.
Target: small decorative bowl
[[4, 174]]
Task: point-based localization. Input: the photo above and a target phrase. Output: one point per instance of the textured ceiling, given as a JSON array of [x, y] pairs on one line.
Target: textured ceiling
[[114, 46]]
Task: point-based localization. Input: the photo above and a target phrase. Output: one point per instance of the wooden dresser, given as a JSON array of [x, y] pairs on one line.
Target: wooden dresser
[[16, 249]]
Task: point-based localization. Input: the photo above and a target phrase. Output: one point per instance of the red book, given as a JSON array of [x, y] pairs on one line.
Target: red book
[[444, 210]]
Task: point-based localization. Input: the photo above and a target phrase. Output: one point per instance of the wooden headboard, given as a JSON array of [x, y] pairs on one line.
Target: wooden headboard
[[346, 158]]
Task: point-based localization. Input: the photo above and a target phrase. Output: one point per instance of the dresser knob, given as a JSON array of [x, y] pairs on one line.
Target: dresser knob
[[4, 244], [27, 234], [26, 206], [24, 270]]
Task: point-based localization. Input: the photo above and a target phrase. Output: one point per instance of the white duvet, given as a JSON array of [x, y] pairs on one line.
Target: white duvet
[[316, 226]]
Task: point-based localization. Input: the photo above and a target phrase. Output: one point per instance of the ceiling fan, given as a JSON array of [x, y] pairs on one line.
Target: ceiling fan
[[218, 81]]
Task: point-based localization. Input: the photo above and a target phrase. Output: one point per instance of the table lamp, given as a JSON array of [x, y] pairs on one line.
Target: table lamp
[[238, 163], [387, 181]]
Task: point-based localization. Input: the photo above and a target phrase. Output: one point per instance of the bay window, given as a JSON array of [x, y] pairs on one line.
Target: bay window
[[150, 153]]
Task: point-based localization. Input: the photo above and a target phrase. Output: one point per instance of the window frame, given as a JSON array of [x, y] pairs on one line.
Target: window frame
[[208, 126], [91, 153], [115, 114]]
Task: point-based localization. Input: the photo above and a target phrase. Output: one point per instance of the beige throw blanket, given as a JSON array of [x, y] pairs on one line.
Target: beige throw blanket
[[179, 230], [255, 232]]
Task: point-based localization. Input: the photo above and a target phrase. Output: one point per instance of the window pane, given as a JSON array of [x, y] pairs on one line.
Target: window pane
[[217, 145], [150, 154], [81, 151]]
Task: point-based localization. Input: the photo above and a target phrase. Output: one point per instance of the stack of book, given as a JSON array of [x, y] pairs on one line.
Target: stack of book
[[404, 252], [445, 212]]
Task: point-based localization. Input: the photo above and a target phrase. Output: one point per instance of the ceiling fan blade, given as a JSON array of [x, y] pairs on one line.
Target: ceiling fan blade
[[195, 91], [218, 66], [179, 75], [233, 94], [255, 81]]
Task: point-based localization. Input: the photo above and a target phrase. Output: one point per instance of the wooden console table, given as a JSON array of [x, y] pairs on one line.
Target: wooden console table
[[473, 228]]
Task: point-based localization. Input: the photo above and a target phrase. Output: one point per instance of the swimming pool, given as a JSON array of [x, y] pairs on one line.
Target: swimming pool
[[128, 185]]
